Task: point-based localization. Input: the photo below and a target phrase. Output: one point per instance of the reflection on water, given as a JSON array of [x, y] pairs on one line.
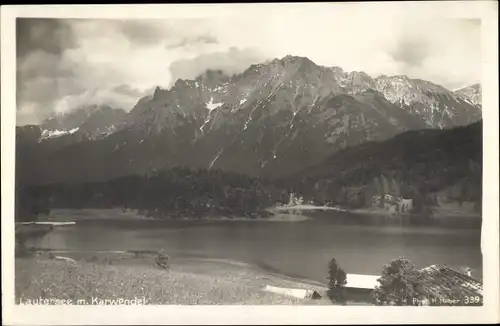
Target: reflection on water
[[300, 249]]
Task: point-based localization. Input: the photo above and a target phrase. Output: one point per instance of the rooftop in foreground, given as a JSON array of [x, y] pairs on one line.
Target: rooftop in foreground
[[438, 282], [442, 282]]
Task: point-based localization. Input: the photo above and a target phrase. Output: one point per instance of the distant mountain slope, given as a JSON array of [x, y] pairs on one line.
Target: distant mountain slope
[[471, 94], [89, 121], [271, 120], [35, 144], [421, 162], [437, 106]]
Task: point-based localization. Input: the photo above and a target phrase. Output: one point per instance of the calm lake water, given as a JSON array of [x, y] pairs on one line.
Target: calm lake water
[[297, 249]]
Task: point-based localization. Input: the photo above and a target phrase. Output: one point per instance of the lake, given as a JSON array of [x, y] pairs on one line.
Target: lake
[[297, 249]]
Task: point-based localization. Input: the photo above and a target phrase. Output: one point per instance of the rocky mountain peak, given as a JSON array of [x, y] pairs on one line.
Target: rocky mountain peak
[[212, 77], [157, 92], [296, 60], [471, 94], [291, 83], [337, 70]]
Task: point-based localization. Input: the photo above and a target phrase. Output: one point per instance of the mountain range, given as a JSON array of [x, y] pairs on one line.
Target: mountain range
[[272, 120]]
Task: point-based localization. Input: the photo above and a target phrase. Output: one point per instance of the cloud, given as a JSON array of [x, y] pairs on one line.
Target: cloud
[[85, 59], [193, 41], [122, 97], [41, 69], [48, 35], [142, 32], [410, 52], [63, 64], [446, 52], [231, 62]]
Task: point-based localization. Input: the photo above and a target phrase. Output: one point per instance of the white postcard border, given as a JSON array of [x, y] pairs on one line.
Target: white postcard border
[[64, 315]]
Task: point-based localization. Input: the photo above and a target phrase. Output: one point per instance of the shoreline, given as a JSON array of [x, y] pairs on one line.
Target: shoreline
[[276, 214], [304, 213], [141, 256], [111, 214], [188, 280], [308, 207], [437, 214]]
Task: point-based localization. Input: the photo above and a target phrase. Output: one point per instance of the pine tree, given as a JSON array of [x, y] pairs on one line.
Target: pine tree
[[395, 188], [463, 193], [337, 279], [378, 186], [385, 184], [369, 193], [162, 259]]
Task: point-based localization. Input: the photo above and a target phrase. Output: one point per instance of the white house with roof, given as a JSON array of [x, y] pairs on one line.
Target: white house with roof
[[361, 281], [359, 288]]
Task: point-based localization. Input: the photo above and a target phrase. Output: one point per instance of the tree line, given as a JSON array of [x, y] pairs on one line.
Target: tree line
[[174, 193]]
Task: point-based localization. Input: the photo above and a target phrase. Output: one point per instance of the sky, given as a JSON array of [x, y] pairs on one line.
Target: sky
[[63, 64]]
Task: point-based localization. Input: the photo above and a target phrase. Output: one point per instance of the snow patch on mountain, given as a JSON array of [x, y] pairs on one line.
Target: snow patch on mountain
[[47, 133], [211, 105], [215, 158], [108, 131], [207, 120], [247, 123]]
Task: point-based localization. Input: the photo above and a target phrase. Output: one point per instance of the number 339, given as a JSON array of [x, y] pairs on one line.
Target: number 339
[[469, 300]]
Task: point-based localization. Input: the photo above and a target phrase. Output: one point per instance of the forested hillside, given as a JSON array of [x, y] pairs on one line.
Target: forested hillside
[[415, 164], [178, 192]]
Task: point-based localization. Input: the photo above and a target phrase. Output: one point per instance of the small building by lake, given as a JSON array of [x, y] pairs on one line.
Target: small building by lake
[[392, 204]]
